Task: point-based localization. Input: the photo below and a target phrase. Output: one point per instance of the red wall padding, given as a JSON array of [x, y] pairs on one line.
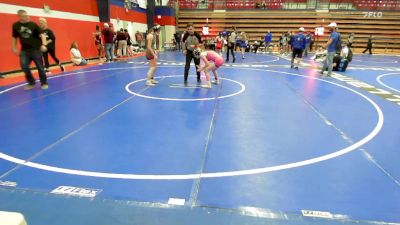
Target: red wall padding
[[66, 31], [131, 15], [165, 20]]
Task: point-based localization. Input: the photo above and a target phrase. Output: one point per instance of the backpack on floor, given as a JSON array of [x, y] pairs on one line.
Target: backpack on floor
[[342, 65]]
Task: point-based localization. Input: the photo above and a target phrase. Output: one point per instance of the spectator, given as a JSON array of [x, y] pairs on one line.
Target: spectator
[[312, 42], [108, 35], [76, 56], [122, 43], [98, 43], [219, 43], [231, 45], [331, 46], [128, 42], [298, 44], [267, 40], [341, 61], [350, 40], [308, 43], [50, 45], [31, 39], [320, 54], [225, 33], [182, 35], [284, 43], [290, 36], [257, 45], [139, 39], [242, 43], [369, 45], [177, 38]]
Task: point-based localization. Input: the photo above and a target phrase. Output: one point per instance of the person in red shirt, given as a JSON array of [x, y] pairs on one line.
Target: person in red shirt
[[108, 35], [219, 43]]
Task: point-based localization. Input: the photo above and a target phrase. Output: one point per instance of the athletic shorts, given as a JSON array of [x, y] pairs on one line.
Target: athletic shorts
[[242, 44], [297, 52], [149, 56], [219, 61]]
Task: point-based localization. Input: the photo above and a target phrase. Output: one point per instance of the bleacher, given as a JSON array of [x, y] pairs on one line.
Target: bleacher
[[385, 28], [377, 5], [383, 5]]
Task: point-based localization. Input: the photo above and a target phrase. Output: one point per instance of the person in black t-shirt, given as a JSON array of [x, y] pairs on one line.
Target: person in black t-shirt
[[191, 40], [177, 37], [51, 45], [31, 40], [369, 45], [128, 42]]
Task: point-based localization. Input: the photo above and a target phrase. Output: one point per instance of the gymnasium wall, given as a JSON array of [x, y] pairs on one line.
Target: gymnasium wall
[[132, 20], [70, 21], [165, 16]]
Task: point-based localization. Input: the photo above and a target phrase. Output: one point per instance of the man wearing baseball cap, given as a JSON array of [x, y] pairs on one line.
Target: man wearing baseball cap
[[298, 44], [331, 48]]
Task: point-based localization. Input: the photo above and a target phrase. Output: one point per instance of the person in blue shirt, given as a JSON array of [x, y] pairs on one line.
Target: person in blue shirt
[[267, 40], [225, 33], [331, 49], [298, 45]]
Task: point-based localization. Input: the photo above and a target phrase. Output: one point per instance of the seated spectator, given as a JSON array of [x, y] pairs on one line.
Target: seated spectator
[[256, 46], [320, 55], [341, 61], [76, 56], [135, 48]]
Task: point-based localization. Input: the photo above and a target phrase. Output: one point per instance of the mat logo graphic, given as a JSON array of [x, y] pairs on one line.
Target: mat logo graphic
[[76, 191], [320, 214], [8, 183], [367, 87]]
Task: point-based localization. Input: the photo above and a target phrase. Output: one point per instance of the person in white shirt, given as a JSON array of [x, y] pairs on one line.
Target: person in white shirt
[[345, 52], [320, 54], [76, 56]]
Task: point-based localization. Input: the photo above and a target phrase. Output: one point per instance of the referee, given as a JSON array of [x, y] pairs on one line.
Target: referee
[[191, 40]]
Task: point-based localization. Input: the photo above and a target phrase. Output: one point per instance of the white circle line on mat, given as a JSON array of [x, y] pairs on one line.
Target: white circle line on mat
[[286, 166], [127, 88], [385, 85]]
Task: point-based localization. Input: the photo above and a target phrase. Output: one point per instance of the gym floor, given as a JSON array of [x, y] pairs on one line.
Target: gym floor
[[267, 139]]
